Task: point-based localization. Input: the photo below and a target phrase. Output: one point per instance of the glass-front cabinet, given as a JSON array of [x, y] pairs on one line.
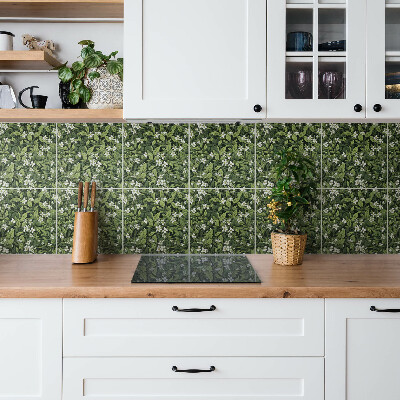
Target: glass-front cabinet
[[316, 58], [383, 59]]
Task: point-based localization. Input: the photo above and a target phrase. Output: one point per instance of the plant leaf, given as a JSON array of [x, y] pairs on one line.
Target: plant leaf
[[84, 93], [86, 43], [65, 74], [93, 61], [73, 98], [113, 54], [93, 75], [76, 84], [86, 52], [77, 66], [114, 67]]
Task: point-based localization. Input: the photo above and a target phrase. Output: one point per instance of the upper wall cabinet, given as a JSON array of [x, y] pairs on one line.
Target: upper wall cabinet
[[383, 59], [316, 58], [195, 59]]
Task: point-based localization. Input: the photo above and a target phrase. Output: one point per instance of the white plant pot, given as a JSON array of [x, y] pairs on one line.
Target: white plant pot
[[106, 90]]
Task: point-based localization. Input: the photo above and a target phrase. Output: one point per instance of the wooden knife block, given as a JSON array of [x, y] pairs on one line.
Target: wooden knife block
[[84, 248]]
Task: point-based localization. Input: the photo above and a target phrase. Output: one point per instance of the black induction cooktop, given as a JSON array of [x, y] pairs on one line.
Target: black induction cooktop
[[195, 269]]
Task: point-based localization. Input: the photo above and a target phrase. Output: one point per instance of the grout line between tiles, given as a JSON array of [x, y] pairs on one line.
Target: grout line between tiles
[[185, 188], [189, 190], [123, 192], [255, 188], [56, 188]]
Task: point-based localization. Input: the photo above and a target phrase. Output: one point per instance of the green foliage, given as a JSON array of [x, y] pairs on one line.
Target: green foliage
[[293, 186], [79, 70]]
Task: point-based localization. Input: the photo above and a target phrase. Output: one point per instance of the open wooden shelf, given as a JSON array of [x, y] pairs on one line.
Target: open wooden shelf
[[27, 60], [60, 115], [62, 9]]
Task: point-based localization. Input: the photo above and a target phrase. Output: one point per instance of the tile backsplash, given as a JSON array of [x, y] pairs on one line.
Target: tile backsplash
[[198, 188]]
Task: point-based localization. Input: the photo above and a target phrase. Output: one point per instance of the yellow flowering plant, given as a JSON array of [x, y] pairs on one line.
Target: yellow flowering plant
[[292, 191]]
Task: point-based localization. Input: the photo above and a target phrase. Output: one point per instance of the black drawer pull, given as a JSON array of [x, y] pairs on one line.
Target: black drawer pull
[[175, 308], [193, 371], [394, 310]]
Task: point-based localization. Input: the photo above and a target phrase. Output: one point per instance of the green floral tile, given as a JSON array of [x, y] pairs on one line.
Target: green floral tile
[[354, 155], [222, 221], [90, 152], [222, 155], [308, 221], [27, 155], [109, 206], [394, 221], [155, 221], [273, 138], [156, 155], [354, 221], [394, 155], [27, 221]]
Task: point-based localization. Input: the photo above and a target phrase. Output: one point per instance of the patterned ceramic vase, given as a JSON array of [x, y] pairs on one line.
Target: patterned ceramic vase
[[106, 90]]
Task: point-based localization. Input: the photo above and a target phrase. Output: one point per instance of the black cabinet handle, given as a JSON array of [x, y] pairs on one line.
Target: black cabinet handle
[[257, 108], [391, 310], [175, 308], [193, 371], [358, 108], [377, 107]]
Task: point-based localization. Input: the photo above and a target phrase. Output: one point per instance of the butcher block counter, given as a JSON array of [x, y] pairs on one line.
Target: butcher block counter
[[320, 276]]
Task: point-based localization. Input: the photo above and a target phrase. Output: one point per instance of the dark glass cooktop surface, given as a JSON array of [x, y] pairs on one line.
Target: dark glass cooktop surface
[[195, 269]]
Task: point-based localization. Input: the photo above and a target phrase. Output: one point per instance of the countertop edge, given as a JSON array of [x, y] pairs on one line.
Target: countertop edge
[[200, 292]]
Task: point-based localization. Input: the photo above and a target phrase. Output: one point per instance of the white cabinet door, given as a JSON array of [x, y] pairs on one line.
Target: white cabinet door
[[362, 349], [305, 78], [383, 59], [236, 327], [194, 59], [152, 378], [30, 349]]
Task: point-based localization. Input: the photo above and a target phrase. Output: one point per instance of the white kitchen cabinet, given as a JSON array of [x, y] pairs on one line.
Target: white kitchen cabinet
[[195, 59], [30, 349], [383, 59], [233, 378], [305, 80], [362, 349], [236, 327]]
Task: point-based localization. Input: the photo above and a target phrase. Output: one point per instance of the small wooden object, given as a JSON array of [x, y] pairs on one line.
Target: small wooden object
[[84, 248]]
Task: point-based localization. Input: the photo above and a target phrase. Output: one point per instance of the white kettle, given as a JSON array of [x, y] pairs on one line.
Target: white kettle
[[7, 97]]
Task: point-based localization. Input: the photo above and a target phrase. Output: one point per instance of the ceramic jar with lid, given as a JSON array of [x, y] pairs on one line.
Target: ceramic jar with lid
[[6, 40]]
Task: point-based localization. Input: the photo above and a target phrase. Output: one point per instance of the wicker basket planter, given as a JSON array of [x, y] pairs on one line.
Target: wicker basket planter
[[288, 249]]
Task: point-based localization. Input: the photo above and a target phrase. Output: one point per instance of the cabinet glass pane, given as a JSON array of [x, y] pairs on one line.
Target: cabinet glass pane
[[331, 29], [392, 80], [299, 28], [332, 78], [299, 79], [393, 29]]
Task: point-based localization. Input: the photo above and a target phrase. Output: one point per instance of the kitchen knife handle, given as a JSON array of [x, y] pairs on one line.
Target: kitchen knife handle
[[175, 308], [85, 196], [389, 310], [93, 196], [80, 190], [193, 371]]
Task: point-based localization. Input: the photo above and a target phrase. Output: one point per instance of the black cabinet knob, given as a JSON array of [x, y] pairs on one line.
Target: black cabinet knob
[[377, 107], [358, 108], [257, 108]]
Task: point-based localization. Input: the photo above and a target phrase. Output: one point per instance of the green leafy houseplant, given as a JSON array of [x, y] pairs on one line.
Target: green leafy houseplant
[[82, 69], [292, 191]]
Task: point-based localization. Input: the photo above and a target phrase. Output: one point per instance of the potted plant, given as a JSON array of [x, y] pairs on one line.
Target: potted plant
[[291, 192], [95, 80]]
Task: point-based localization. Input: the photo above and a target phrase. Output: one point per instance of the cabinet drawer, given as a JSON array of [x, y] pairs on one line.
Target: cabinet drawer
[[150, 327], [233, 378]]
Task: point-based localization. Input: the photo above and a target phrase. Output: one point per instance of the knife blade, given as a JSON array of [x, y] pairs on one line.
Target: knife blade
[[80, 190], [93, 196], [85, 196]]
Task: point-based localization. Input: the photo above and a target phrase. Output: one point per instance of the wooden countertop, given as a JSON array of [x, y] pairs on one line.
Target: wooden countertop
[[322, 276]]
